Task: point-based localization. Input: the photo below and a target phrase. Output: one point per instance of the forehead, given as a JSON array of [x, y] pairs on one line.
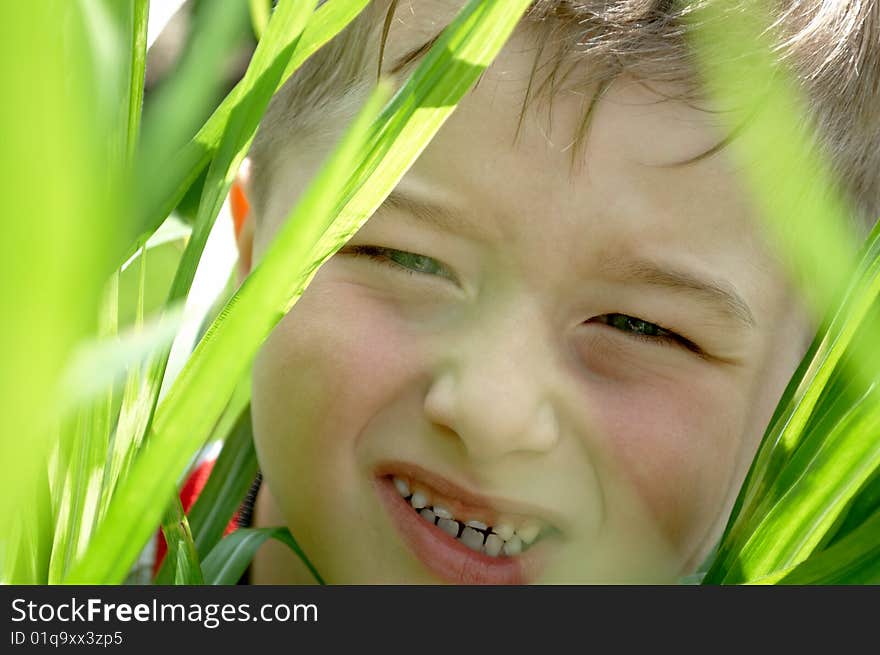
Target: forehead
[[627, 195]]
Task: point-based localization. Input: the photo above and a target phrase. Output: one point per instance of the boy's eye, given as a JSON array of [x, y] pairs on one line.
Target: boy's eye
[[408, 261], [646, 331]]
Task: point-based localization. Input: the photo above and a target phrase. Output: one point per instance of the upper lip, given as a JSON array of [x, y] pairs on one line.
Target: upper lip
[[469, 502]]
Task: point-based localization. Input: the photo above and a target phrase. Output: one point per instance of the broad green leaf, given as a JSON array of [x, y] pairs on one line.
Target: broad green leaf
[[776, 145], [369, 162], [229, 559], [160, 198], [88, 389], [58, 177]]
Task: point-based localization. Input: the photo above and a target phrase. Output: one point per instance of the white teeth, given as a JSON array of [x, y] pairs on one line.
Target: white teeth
[[442, 512], [503, 530], [513, 546], [418, 500], [472, 539], [503, 539], [528, 532], [448, 526], [402, 487], [493, 545]]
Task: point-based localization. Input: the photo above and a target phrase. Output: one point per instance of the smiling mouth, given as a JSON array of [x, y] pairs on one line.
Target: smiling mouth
[[500, 539], [457, 536]]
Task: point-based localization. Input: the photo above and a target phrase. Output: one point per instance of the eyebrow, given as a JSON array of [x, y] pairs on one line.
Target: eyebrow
[[436, 215], [721, 294]]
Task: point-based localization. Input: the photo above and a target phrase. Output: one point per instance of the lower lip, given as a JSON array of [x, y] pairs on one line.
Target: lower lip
[[446, 557]]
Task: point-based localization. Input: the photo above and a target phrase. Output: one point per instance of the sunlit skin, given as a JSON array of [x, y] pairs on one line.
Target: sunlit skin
[[503, 360]]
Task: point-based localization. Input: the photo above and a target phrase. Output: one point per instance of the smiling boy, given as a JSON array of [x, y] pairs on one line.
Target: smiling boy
[[549, 357]]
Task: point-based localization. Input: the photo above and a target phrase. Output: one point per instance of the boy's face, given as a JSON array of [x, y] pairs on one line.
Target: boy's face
[[497, 372]]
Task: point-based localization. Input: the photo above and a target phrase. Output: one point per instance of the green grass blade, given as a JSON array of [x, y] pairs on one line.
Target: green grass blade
[[180, 429], [853, 560], [233, 473], [257, 87], [140, 19], [144, 284], [139, 389], [81, 455], [231, 477], [181, 565], [160, 198], [177, 108], [260, 10], [229, 559], [819, 455], [26, 548], [798, 524], [865, 505], [99, 366], [142, 391], [66, 484], [256, 90], [810, 384]]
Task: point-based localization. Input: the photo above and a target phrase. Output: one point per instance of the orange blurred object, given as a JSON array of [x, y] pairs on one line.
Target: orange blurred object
[[240, 206]]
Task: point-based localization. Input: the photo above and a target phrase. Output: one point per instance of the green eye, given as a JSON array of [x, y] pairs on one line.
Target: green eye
[[636, 325], [636, 328], [409, 262], [414, 262]]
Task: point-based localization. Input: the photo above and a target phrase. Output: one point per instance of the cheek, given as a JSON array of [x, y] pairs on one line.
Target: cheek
[[677, 445], [325, 371]]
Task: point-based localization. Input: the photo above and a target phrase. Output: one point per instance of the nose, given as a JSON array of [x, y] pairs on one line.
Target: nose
[[492, 393]]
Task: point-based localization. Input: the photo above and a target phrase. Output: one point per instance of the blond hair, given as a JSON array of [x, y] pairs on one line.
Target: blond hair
[[831, 46]]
